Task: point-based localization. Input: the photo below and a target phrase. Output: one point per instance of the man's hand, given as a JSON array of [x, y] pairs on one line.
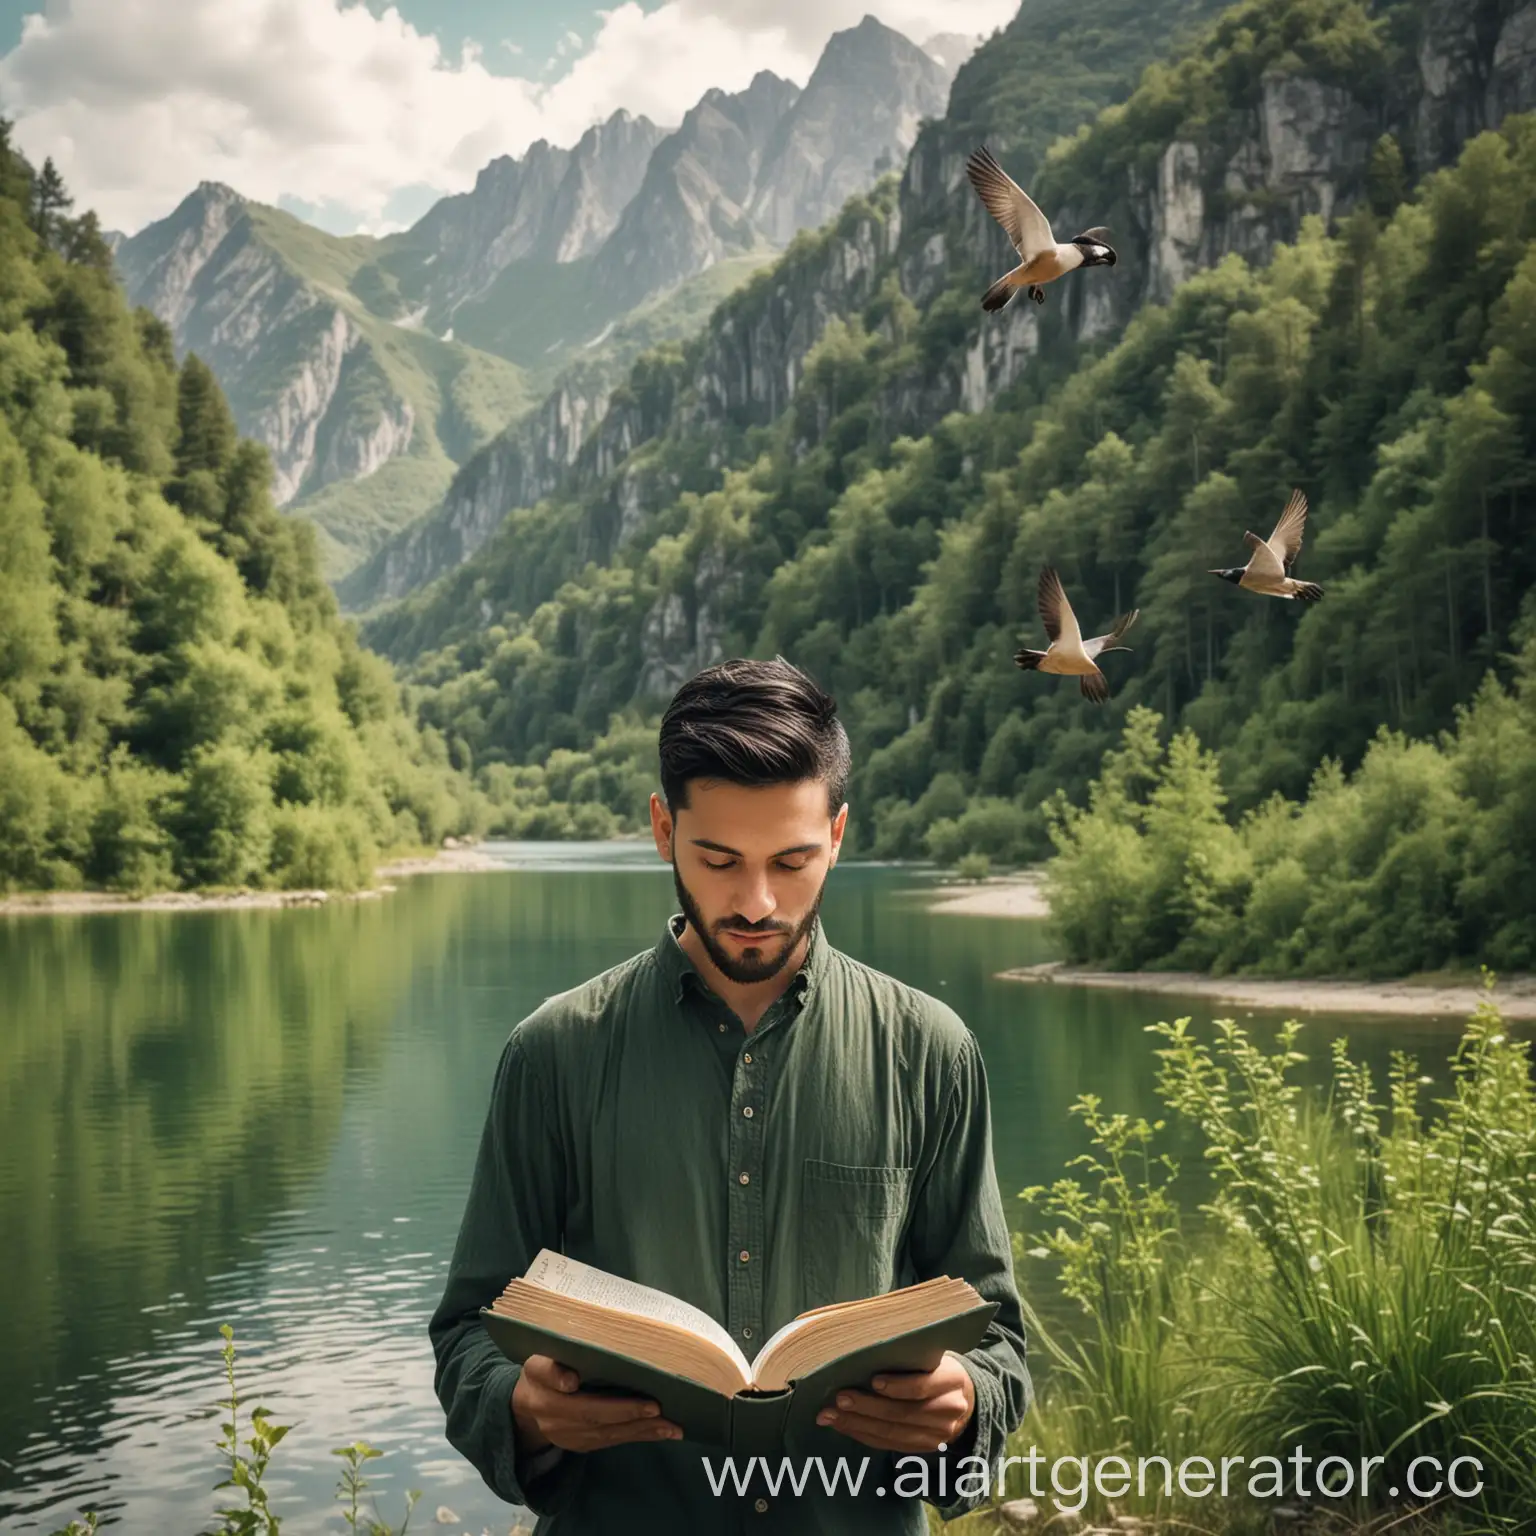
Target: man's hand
[[914, 1411], [547, 1409]]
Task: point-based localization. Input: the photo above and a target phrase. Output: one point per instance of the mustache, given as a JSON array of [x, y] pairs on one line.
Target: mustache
[[727, 926]]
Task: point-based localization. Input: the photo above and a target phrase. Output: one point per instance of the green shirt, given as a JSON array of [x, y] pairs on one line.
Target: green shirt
[[839, 1149]]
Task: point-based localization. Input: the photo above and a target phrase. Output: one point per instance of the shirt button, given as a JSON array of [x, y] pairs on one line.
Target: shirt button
[[761, 1505], [743, 1255], [722, 1029], [743, 1178], [746, 1333], [748, 1111]]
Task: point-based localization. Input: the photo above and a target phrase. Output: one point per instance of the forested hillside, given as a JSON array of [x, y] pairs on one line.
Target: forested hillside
[[1385, 368], [179, 702]]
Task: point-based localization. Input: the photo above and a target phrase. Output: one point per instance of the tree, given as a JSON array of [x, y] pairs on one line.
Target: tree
[[50, 202]]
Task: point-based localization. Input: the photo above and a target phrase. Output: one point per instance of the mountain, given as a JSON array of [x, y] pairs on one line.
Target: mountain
[[855, 466], [692, 208], [336, 394], [739, 177], [374, 368], [552, 206], [855, 120]]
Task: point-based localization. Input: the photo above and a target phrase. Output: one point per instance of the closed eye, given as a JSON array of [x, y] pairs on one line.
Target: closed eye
[[783, 864]]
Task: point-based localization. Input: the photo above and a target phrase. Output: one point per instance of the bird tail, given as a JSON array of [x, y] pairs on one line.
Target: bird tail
[[1094, 687], [999, 293], [1117, 634], [1308, 591], [1029, 660]]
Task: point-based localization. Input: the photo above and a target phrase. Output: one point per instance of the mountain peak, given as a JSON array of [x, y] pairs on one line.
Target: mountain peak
[[856, 117], [214, 192]]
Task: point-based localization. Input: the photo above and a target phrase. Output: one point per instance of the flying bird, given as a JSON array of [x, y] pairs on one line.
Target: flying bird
[[1269, 566], [1069, 655], [1041, 258]]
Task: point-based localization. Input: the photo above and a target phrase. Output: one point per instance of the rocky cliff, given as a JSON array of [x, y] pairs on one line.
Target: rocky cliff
[[857, 118], [1316, 135], [552, 205], [229, 295], [692, 208]]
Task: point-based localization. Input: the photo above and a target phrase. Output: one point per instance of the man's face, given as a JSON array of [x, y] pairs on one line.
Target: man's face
[[750, 866]]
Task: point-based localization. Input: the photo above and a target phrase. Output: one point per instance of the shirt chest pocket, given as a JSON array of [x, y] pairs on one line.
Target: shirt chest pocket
[[851, 1223]]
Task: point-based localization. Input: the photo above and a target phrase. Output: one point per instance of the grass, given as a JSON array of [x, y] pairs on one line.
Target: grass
[[1360, 1283]]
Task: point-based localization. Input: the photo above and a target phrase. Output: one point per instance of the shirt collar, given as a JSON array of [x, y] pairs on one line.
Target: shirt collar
[[679, 970]]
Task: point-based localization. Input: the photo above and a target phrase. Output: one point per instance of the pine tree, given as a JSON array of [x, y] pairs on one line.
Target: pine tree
[[81, 241], [207, 434], [50, 203]]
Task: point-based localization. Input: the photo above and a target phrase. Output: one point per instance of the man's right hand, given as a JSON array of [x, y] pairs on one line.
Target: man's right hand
[[548, 1409]]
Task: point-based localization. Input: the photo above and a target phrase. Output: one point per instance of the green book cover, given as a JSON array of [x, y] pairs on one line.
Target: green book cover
[[750, 1423]]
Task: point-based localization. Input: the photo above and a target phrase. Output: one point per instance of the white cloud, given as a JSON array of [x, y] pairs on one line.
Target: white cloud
[[325, 102], [807, 24]]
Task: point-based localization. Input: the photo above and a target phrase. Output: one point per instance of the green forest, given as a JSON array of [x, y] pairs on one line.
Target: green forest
[[180, 703]]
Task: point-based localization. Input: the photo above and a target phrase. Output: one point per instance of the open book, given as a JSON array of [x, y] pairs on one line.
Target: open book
[[621, 1335]]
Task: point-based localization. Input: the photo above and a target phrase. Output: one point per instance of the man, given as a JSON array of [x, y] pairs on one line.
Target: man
[[752, 1121]]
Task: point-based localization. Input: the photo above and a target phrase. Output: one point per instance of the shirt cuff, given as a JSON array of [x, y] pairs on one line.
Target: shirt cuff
[[975, 1441], [541, 1480], [538, 1464]]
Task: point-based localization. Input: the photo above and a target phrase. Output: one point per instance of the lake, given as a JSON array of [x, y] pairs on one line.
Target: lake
[[268, 1118]]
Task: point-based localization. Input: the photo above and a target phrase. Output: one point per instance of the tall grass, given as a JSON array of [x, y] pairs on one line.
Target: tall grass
[[1359, 1282]]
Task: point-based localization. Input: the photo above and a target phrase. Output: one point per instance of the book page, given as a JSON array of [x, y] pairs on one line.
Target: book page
[[566, 1276], [792, 1326]]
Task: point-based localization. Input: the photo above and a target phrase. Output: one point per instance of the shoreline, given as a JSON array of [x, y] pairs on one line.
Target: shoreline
[[458, 860], [1515, 996], [1021, 894]]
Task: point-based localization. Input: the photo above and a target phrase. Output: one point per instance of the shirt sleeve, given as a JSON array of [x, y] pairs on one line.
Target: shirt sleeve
[[515, 1208], [958, 1228]]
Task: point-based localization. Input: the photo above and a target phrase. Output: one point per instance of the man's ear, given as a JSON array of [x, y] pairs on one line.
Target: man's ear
[[661, 827], [839, 826]]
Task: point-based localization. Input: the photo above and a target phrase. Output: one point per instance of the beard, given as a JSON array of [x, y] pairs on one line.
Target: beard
[[779, 939]]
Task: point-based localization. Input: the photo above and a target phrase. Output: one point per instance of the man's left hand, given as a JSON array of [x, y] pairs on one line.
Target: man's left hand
[[914, 1411]]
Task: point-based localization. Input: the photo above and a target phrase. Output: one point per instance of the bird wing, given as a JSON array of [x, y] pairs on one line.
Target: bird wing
[[1092, 648], [1264, 561], [1056, 612], [1010, 205], [1095, 686], [1285, 541]]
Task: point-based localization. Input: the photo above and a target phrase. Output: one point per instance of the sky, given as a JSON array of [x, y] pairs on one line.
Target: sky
[[359, 114]]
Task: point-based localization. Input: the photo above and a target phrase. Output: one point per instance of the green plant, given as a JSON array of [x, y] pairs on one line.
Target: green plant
[[246, 1472], [973, 866], [1360, 1282], [352, 1484], [85, 1526]]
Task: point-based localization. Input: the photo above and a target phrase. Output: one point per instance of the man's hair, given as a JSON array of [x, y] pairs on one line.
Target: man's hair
[[753, 723]]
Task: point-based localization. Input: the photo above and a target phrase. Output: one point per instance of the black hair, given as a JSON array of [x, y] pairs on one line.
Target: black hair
[[753, 723]]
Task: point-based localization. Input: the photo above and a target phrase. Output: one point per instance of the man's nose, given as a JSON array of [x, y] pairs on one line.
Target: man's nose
[[753, 897]]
